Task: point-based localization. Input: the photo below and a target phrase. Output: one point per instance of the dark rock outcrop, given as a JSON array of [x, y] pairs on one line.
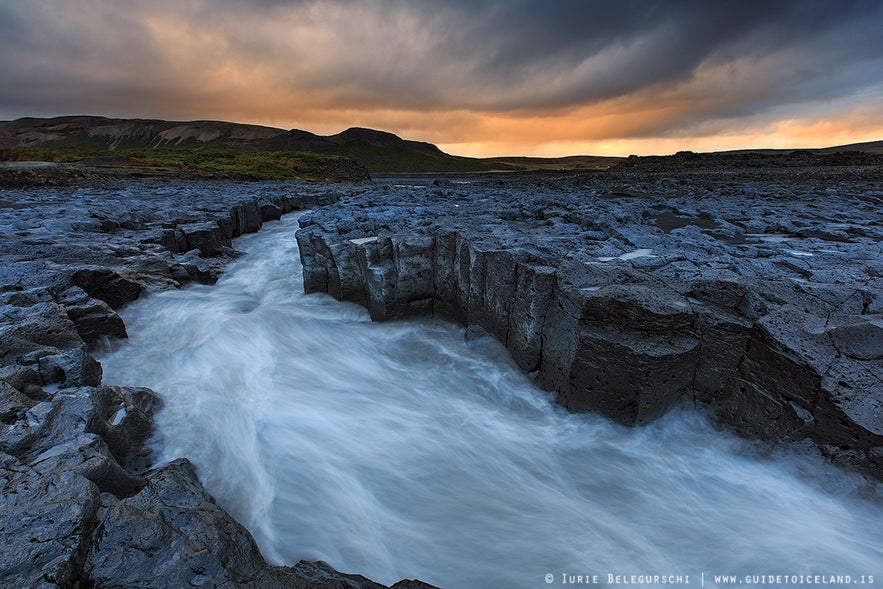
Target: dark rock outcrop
[[173, 534], [756, 310]]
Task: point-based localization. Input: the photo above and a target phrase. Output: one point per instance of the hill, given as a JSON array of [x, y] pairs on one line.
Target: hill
[[241, 150], [91, 137], [380, 152], [89, 132]]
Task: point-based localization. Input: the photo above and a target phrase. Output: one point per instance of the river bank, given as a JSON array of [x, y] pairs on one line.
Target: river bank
[[757, 298], [84, 505], [756, 294]]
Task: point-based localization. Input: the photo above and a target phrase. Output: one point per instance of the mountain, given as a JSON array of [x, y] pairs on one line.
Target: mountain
[[377, 151]]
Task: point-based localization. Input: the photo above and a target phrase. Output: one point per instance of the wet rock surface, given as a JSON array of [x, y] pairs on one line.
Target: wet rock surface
[[754, 290], [82, 506]]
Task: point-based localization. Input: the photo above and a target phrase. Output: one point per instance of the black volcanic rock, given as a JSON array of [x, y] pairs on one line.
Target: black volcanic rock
[[173, 534], [762, 303]]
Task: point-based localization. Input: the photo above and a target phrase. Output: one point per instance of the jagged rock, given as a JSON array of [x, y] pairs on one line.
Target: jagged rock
[[93, 318], [55, 463], [13, 403], [170, 534], [71, 368], [19, 377], [199, 269], [110, 424], [269, 210], [28, 329], [46, 519], [123, 417], [174, 240], [208, 238], [173, 534], [107, 285], [42, 337]]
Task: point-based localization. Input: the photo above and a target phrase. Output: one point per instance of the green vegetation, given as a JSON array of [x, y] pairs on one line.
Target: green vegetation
[[65, 155], [232, 163]]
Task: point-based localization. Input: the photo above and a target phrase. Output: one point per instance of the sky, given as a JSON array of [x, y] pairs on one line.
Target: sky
[[477, 77]]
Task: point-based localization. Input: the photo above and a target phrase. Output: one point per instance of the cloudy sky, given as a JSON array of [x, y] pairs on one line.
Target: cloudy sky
[[478, 77]]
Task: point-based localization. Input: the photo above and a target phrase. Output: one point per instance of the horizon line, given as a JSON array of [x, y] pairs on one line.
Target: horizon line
[[439, 145]]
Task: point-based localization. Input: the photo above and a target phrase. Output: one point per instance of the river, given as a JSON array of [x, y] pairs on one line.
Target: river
[[401, 450]]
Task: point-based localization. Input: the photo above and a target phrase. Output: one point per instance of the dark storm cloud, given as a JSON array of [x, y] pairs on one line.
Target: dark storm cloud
[[642, 42], [688, 61]]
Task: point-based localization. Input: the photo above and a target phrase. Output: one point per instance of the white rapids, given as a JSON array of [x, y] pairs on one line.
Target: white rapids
[[400, 450]]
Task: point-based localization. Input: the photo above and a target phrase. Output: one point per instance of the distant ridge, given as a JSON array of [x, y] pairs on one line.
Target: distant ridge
[[92, 132], [378, 151], [866, 147], [570, 162]]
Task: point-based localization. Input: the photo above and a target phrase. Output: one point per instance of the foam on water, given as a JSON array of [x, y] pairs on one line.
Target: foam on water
[[400, 450], [639, 253]]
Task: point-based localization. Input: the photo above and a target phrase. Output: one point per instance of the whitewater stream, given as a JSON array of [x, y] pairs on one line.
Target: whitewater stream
[[401, 450]]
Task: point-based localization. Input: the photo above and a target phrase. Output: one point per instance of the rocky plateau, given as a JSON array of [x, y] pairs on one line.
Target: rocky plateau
[[751, 286], [753, 289]]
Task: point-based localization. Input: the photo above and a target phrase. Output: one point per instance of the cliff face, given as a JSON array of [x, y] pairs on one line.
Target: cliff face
[[626, 298]]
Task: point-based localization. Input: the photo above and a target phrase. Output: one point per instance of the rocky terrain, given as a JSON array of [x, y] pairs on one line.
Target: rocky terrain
[[752, 287], [81, 505], [755, 291]]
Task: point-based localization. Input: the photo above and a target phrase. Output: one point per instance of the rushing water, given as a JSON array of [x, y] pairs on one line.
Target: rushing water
[[401, 450]]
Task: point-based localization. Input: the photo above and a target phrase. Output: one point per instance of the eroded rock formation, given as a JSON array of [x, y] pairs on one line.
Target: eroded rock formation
[[761, 300]]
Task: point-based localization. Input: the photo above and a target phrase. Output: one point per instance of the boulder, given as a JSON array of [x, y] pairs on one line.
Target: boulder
[[208, 238], [107, 285], [94, 319]]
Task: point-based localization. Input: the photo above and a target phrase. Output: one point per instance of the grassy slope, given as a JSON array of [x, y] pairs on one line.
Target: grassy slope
[[269, 161], [233, 163]]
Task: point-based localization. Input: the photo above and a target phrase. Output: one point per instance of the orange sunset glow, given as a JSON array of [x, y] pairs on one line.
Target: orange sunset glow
[[476, 78]]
